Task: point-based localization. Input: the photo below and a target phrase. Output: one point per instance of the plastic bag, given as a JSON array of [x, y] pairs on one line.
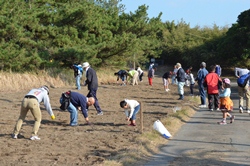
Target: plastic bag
[[158, 126]]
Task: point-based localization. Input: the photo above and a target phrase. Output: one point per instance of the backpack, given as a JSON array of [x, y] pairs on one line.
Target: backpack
[[65, 100], [242, 81]]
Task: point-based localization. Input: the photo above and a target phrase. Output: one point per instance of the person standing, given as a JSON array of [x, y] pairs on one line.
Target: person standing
[[213, 83], [192, 82], [166, 80], [174, 81], [31, 102], [133, 77], [92, 83], [218, 69], [121, 74], [151, 74], [200, 79], [78, 75], [140, 73], [78, 102], [226, 104], [243, 91], [180, 76]]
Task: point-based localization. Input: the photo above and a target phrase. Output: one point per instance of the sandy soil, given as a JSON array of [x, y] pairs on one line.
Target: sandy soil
[[61, 144]]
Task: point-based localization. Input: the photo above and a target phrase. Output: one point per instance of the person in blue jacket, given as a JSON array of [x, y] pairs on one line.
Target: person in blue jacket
[[200, 79], [78, 102]]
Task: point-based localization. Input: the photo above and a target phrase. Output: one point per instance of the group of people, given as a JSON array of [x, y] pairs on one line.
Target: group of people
[[78, 101]]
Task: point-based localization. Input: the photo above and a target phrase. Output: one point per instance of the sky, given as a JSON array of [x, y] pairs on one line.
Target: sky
[[202, 13]]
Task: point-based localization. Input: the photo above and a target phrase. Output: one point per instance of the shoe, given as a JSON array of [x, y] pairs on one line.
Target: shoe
[[14, 136], [167, 90], [131, 124], [241, 109], [202, 106], [217, 109], [248, 111], [232, 119], [222, 123], [211, 110], [35, 138], [100, 113]]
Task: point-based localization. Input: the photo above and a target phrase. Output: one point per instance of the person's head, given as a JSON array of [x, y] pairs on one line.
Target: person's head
[[178, 65], [45, 87], [116, 73], [91, 101], [203, 65], [85, 65], [123, 104], [226, 82], [212, 68]]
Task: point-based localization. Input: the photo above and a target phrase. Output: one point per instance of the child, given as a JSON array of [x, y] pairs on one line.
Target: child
[[226, 104], [212, 81], [166, 80], [151, 74], [134, 107], [192, 82]]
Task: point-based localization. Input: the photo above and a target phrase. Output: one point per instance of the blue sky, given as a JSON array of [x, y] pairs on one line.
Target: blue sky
[[195, 12]]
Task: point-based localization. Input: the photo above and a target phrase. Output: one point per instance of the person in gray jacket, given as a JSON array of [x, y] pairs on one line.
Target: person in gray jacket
[[92, 83], [31, 102]]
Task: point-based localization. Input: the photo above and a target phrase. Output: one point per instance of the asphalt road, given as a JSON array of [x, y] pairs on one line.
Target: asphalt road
[[201, 141]]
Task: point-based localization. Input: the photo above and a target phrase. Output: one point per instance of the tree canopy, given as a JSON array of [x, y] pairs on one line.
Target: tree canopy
[[38, 34]]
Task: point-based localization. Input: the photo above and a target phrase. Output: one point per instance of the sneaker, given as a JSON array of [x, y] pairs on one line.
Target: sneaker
[[167, 90], [232, 119], [248, 111], [100, 113], [217, 109], [202, 106], [211, 109], [35, 138], [14, 136], [222, 123], [241, 109], [132, 124]]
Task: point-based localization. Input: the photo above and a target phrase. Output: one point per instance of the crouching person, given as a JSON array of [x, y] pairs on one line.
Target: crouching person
[[131, 107], [74, 101]]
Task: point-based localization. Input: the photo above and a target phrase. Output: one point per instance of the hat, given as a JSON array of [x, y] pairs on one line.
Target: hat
[[178, 65], [46, 88], [85, 64], [203, 64], [227, 81]]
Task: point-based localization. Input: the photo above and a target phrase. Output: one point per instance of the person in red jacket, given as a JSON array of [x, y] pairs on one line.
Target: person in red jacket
[[213, 82]]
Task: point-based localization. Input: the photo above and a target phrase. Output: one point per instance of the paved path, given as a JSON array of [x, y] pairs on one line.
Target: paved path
[[201, 141]]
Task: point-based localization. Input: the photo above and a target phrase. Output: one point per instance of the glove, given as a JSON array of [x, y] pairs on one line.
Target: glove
[[53, 117]]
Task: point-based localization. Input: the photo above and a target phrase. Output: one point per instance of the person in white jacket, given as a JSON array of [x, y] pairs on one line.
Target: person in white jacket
[[31, 101], [131, 107]]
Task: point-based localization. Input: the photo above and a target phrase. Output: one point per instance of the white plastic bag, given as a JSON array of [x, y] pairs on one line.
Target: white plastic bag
[[158, 126]]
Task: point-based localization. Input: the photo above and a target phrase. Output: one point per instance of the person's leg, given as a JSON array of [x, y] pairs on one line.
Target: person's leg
[[216, 101], [181, 90], [247, 93], [92, 93], [202, 95], [150, 81], [192, 89], [36, 112], [210, 101], [136, 78], [23, 113], [133, 118], [241, 97], [73, 114]]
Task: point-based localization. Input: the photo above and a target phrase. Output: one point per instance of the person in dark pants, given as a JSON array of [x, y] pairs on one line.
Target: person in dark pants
[[92, 83], [121, 74], [181, 80], [213, 83], [200, 79]]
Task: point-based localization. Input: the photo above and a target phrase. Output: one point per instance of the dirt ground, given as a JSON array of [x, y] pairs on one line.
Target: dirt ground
[[61, 144]]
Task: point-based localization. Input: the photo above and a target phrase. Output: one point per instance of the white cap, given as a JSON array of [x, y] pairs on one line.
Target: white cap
[[85, 64]]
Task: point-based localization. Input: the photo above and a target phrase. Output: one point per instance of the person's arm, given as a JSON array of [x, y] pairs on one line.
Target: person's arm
[[237, 72], [47, 106]]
